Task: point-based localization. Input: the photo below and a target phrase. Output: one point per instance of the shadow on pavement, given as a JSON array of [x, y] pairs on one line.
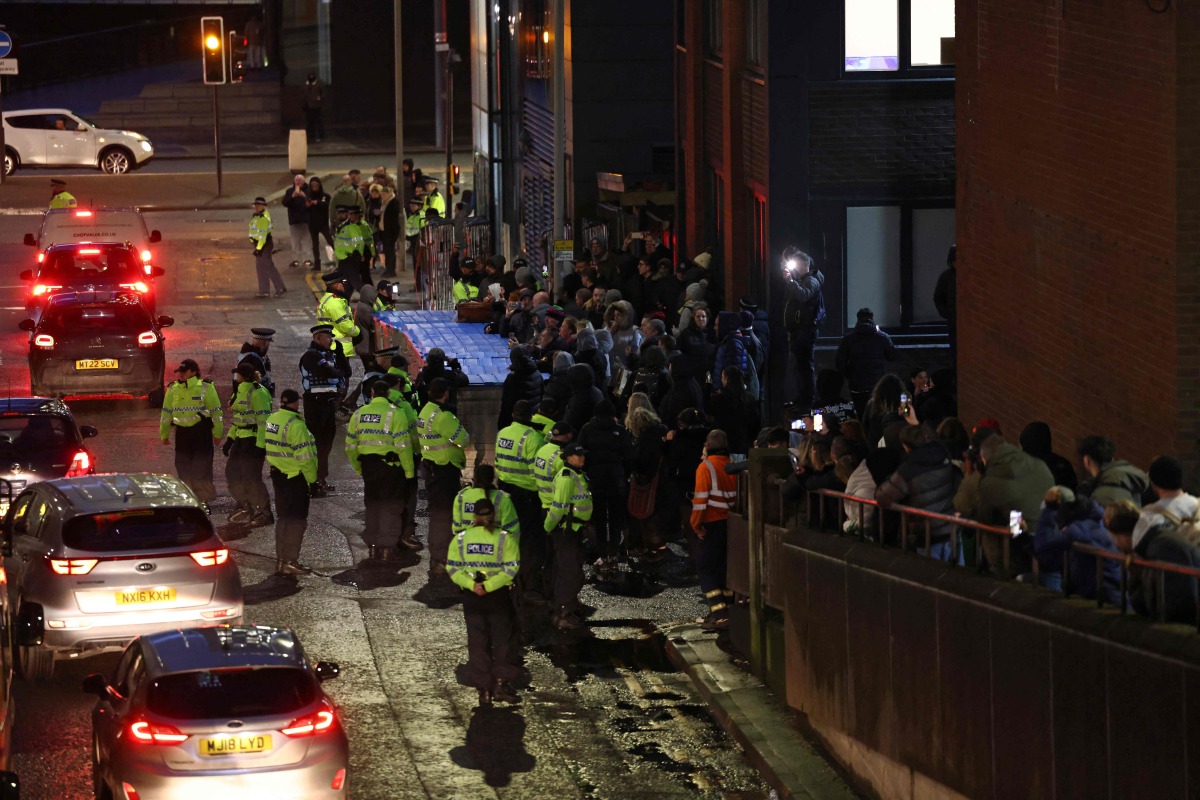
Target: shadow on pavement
[[439, 594], [367, 575], [581, 653], [495, 745], [273, 587]]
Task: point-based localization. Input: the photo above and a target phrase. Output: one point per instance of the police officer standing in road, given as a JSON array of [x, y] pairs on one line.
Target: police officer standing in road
[[548, 462], [379, 447], [254, 352], [570, 508], [366, 246], [483, 484], [264, 246], [324, 382], [248, 412], [443, 456], [484, 560], [292, 454], [192, 407], [408, 532], [59, 196], [413, 222], [516, 450], [333, 310]]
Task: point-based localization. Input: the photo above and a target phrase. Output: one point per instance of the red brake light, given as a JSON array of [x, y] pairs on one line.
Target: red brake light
[[41, 257], [146, 255], [130, 792], [147, 338], [311, 724], [73, 566], [148, 733], [44, 288], [44, 341], [83, 213], [339, 779], [138, 287], [90, 251], [210, 558], [81, 464]]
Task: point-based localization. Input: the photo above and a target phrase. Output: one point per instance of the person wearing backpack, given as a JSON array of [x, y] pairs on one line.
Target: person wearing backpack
[[1175, 509], [803, 314]]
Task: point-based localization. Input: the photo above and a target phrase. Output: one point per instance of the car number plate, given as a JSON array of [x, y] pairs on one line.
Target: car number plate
[[96, 363], [233, 745], [146, 597]]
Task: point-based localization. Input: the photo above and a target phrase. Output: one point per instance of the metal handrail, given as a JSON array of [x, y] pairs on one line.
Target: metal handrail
[[1126, 561], [907, 512]]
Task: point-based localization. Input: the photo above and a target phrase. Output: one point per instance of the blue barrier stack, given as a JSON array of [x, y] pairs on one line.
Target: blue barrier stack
[[484, 357]]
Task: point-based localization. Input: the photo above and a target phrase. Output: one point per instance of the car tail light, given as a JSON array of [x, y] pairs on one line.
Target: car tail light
[[147, 339], [223, 613], [83, 213], [44, 341], [44, 288], [311, 724], [81, 464], [339, 779], [73, 566], [146, 255], [130, 792], [210, 558], [90, 251], [145, 732], [139, 287], [41, 257]]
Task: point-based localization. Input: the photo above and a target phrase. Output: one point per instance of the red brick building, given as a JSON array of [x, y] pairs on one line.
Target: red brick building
[[1079, 220]]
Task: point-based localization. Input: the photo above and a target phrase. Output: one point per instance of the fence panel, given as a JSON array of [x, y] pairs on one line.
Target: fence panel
[[435, 245]]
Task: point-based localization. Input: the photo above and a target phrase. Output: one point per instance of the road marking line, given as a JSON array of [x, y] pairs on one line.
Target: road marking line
[[296, 313]]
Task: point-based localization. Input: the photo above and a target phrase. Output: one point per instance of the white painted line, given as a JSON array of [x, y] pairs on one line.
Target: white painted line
[[296, 313], [302, 330]]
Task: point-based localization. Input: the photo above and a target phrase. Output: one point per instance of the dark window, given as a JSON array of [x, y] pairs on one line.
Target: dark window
[[756, 33], [92, 264], [25, 434], [32, 122], [88, 320], [138, 529], [758, 247], [713, 33], [232, 693]]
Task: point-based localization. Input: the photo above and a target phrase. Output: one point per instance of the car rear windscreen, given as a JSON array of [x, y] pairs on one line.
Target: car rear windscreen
[[63, 319], [138, 529], [232, 693], [33, 433], [91, 264]]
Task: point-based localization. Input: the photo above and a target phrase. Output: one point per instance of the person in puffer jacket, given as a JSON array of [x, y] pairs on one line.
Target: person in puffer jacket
[[557, 387], [926, 480], [731, 352], [584, 395], [587, 351], [1064, 521], [523, 382]]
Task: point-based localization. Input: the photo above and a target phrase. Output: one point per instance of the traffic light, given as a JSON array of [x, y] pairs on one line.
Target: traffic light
[[455, 174], [212, 46]]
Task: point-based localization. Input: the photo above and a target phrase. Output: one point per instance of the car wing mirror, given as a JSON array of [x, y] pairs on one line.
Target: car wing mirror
[[26, 275], [27, 325], [88, 431], [95, 684], [29, 240], [326, 670], [155, 237], [157, 272], [165, 321]]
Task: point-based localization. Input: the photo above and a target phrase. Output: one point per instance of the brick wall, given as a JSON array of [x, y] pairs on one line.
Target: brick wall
[[866, 133], [1071, 307]]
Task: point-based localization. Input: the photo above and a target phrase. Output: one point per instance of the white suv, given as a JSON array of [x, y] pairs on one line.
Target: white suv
[[56, 137]]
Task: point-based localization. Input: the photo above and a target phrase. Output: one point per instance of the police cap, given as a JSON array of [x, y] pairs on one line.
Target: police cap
[[346, 208], [266, 334], [562, 428], [573, 450], [322, 328], [469, 263], [188, 364], [246, 370], [354, 209], [57, 182], [330, 278], [260, 201], [289, 396], [385, 287]]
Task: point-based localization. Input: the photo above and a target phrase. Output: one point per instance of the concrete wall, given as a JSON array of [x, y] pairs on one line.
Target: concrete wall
[[1078, 220], [928, 682]]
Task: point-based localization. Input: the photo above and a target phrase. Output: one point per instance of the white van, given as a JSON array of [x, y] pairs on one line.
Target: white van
[[104, 225], [57, 137]]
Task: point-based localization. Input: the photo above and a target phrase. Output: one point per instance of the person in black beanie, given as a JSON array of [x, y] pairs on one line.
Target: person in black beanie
[[610, 455]]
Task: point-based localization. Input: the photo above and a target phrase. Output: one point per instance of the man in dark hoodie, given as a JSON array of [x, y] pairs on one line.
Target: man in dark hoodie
[[610, 455], [587, 351], [523, 382], [1037, 441], [1013, 481], [1110, 480], [436, 366], [803, 313], [862, 358], [685, 392], [925, 480], [584, 395]]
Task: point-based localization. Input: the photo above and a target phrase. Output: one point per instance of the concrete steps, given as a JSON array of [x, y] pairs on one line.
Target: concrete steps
[[172, 105]]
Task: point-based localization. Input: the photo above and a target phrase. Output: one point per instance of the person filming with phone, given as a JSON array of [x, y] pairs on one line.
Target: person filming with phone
[[803, 313], [1014, 482]]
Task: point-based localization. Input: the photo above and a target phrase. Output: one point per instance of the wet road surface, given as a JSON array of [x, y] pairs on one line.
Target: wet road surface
[[606, 715]]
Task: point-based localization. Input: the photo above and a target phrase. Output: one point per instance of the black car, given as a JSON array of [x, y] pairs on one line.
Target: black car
[[85, 266], [39, 440], [97, 343]]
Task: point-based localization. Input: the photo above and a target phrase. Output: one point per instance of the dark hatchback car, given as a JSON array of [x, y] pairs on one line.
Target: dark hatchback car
[[39, 441], [97, 343], [89, 267]]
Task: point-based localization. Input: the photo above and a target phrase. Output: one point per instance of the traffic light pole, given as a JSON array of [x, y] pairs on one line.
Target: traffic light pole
[[217, 136]]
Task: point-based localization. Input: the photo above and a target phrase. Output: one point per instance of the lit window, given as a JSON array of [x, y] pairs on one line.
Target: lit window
[[872, 40], [932, 34]]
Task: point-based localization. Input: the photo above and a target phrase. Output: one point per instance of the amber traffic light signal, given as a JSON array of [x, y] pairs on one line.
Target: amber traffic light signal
[[212, 46]]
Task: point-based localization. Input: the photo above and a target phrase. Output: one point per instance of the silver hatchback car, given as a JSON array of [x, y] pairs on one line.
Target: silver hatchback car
[[97, 560], [236, 713]]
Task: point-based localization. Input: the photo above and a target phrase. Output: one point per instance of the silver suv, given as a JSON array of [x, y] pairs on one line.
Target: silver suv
[[97, 560], [58, 137]]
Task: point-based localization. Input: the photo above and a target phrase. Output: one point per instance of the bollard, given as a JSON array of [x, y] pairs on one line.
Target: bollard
[[298, 151]]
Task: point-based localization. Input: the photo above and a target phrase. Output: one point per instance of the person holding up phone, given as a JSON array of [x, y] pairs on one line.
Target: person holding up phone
[[1015, 482]]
